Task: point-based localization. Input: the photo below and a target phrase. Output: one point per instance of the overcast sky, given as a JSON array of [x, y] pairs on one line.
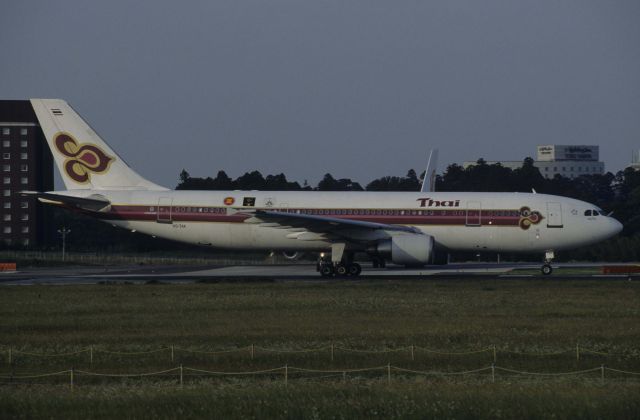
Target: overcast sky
[[359, 89]]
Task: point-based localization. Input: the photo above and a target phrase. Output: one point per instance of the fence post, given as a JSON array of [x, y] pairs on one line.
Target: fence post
[[252, 352], [91, 355], [10, 356], [181, 376], [332, 352], [602, 374], [493, 373], [344, 376], [495, 357], [71, 379], [286, 375], [412, 355], [577, 352], [388, 373], [172, 355]]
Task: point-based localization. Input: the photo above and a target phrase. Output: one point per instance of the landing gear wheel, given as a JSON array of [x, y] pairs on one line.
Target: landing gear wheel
[[326, 270], [355, 269], [341, 270], [546, 269]]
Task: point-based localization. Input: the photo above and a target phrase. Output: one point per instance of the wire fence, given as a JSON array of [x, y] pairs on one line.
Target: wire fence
[[286, 373], [251, 351]]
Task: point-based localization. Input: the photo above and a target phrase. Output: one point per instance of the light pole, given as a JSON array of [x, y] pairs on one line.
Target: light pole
[[64, 232]]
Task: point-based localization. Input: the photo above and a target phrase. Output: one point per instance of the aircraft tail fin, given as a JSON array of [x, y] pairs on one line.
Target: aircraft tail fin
[[84, 160], [429, 181]]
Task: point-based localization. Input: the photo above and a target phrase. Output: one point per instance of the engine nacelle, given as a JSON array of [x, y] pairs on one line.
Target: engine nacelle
[[291, 255], [409, 249]]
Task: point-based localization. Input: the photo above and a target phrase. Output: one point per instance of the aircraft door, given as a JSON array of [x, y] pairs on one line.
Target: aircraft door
[[164, 210], [554, 215], [474, 210]]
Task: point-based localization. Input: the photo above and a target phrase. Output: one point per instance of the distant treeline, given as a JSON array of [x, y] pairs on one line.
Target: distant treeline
[[618, 193]]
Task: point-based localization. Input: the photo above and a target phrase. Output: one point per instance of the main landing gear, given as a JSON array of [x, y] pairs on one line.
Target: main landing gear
[[327, 265], [546, 267]]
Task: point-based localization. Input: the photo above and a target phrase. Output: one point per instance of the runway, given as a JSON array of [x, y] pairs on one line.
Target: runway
[[294, 272]]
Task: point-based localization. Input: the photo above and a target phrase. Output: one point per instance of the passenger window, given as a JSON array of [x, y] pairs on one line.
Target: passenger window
[[587, 213]]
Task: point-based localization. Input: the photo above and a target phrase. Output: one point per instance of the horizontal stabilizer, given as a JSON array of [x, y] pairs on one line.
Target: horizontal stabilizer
[[94, 202]]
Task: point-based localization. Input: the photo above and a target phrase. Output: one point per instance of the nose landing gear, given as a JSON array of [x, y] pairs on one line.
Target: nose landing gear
[[546, 267]]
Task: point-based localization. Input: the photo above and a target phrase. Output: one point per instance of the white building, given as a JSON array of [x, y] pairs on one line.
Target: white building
[[569, 161]]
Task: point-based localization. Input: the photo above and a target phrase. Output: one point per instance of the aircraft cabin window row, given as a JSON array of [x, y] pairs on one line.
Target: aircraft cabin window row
[[358, 212]]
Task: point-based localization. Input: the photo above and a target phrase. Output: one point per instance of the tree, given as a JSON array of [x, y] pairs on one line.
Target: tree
[[184, 176], [395, 183], [329, 183]]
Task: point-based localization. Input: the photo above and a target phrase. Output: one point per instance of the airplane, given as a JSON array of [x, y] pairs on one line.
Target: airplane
[[404, 228]]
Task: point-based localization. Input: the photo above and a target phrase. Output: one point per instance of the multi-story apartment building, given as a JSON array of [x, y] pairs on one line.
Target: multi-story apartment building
[[25, 164]]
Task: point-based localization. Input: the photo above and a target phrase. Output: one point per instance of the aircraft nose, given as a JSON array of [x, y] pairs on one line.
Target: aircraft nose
[[616, 227]]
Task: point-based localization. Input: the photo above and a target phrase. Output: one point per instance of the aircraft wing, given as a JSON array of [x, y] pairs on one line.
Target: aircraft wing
[[327, 227], [93, 203]]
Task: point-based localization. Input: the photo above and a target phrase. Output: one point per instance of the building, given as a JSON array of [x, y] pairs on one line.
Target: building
[[569, 161], [26, 164]]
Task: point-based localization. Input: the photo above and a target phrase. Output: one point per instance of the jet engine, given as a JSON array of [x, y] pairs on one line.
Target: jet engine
[[291, 255], [409, 249]]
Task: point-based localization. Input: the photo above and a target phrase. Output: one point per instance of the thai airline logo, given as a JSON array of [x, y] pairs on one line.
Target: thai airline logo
[[528, 218], [429, 202], [83, 159]]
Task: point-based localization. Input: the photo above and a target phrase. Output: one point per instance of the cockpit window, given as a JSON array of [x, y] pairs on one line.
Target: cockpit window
[[595, 212], [587, 213]]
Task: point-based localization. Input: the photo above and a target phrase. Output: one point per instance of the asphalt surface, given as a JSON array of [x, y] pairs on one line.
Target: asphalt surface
[[300, 272]]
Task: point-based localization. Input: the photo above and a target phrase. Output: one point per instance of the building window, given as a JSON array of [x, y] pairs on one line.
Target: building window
[[6, 217], [24, 180], [555, 169], [25, 229], [6, 143], [24, 168], [7, 193], [23, 131], [25, 216], [23, 143], [546, 169], [6, 180], [23, 156], [25, 242], [6, 205], [6, 168], [6, 131], [6, 229], [6, 156], [24, 204]]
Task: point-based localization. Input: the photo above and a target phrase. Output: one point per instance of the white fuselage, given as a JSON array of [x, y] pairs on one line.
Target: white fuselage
[[465, 221]]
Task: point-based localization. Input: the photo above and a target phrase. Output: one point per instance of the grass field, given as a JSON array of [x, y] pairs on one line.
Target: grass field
[[542, 319]]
